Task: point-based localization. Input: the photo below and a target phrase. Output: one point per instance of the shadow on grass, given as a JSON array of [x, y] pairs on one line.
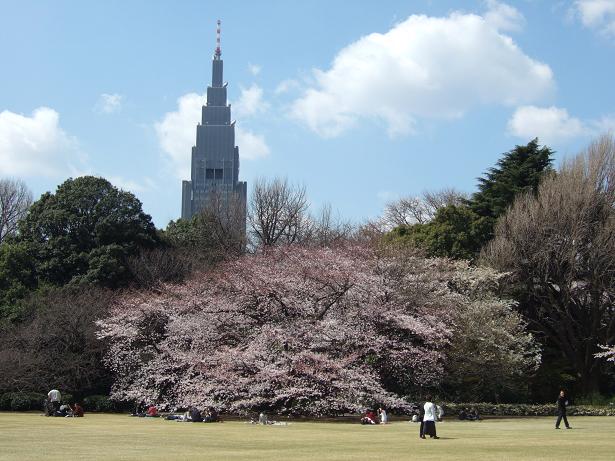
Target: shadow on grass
[[441, 438]]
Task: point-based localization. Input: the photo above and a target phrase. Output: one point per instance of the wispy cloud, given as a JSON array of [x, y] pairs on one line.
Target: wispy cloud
[[286, 85], [597, 14], [109, 103], [132, 185], [250, 102], [503, 16], [254, 69]]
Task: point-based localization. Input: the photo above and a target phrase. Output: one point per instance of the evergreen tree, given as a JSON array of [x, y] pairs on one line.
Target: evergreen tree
[[85, 232], [519, 170], [460, 231]]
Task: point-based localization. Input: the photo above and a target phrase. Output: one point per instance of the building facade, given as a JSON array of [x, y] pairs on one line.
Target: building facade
[[214, 182]]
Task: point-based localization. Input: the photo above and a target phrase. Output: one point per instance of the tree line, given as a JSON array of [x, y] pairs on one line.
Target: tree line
[[423, 298]]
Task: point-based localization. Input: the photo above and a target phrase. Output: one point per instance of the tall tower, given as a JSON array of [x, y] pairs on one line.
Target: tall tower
[[215, 157]]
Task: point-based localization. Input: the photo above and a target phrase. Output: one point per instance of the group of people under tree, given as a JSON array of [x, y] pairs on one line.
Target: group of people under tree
[[371, 417], [467, 414], [54, 407], [192, 414], [142, 409], [429, 413]]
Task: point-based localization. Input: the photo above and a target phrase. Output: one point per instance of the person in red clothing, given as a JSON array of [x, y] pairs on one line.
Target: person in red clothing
[[369, 418], [78, 410], [152, 411]]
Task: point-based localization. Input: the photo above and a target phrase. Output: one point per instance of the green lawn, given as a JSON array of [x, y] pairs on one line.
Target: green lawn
[[28, 436]]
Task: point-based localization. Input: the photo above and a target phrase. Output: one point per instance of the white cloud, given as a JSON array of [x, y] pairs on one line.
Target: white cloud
[[549, 124], [177, 131], [36, 145], [606, 124], [286, 85], [109, 103], [177, 134], [251, 146], [250, 102], [132, 185], [503, 16], [254, 69], [386, 195], [437, 67], [555, 124], [597, 14]]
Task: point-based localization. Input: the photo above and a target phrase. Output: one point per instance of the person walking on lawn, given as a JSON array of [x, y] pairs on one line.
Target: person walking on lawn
[[562, 401], [429, 420]]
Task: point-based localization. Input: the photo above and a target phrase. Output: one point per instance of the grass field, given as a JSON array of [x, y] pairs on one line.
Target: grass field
[[28, 436]]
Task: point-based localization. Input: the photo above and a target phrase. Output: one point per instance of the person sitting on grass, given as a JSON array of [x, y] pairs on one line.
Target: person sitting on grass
[[78, 411], [195, 415], [152, 412], [369, 418], [212, 416], [66, 410], [140, 409]]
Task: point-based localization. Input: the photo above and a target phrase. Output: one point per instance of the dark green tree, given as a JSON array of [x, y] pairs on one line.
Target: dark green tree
[[85, 232], [519, 170], [455, 232], [460, 231], [17, 276]]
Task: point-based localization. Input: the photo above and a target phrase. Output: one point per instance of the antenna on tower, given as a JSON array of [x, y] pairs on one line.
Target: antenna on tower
[[218, 51]]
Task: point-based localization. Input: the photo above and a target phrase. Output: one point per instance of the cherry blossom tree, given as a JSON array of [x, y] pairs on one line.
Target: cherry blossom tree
[[291, 330], [492, 354], [608, 353]]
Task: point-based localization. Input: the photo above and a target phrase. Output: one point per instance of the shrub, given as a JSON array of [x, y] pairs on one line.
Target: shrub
[[5, 401], [100, 403], [502, 409], [21, 401]]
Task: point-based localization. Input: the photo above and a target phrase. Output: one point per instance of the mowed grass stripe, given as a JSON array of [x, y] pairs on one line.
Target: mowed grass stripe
[[28, 436]]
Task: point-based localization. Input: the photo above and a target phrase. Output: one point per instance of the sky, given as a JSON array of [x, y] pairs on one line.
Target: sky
[[361, 102]]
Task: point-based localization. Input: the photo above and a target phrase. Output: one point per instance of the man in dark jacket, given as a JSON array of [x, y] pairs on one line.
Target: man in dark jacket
[[562, 401], [195, 415], [421, 416]]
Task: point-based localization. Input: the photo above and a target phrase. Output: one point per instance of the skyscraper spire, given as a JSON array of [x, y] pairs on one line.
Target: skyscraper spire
[[214, 183], [218, 50]]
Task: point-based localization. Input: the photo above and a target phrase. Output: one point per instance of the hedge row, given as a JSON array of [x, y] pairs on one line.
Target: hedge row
[[520, 409], [21, 401], [24, 401]]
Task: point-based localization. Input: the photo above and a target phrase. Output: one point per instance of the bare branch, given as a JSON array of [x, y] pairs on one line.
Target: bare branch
[[15, 199]]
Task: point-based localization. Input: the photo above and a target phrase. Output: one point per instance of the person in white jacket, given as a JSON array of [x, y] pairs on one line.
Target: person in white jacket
[[54, 398], [429, 420], [384, 418]]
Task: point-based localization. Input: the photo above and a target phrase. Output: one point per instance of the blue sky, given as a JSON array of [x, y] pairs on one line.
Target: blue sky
[[359, 101]]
